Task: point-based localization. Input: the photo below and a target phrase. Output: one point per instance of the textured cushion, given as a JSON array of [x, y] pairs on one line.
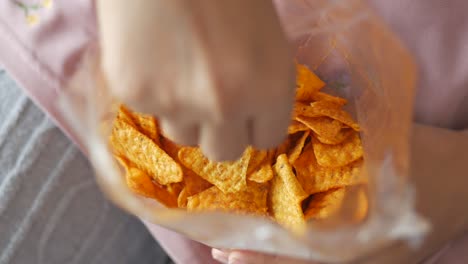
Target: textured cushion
[[51, 210]]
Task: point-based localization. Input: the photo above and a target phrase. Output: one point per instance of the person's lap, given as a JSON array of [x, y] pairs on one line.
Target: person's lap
[[51, 210]]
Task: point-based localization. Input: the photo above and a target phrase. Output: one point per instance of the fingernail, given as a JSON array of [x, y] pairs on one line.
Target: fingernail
[[220, 256]]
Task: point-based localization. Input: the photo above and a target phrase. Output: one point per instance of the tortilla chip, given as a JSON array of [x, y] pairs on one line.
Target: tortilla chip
[[125, 115], [341, 136], [362, 205], [315, 178], [332, 110], [182, 199], [259, 169], [296, 126], [338, 155], [148, 126], [263, 174], [302, 109], [307, 83], [144, 153], [142, 184], [296, 151], [323, 126], [257, 158], [171, 148], [145, 124], [175, 188], [320, 96], [227, 176], [194, 183], [286, 196], [325, 204], [139, 182], [252, 199]]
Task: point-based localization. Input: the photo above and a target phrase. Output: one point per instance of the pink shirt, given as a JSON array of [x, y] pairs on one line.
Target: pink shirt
[[40, 48]]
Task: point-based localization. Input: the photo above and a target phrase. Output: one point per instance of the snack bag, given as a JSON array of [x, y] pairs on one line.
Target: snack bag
[[339, 181]]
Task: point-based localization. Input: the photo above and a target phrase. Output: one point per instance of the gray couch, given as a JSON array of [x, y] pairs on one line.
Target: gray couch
[[51, 210]]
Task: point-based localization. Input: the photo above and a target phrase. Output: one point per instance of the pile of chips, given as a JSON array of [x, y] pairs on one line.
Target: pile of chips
[[305, 178]]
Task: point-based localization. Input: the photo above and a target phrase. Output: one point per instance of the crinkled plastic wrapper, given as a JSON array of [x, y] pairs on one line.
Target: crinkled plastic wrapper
[[360, 60]]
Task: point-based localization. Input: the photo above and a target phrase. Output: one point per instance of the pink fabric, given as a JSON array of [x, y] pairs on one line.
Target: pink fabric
[[436, 32], [42, 56], [180, 248]]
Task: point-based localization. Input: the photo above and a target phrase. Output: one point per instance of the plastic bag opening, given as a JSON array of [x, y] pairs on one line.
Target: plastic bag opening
[[359, 59]]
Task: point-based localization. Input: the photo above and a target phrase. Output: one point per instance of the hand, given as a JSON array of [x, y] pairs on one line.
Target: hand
[[439, 174], [216, 73]]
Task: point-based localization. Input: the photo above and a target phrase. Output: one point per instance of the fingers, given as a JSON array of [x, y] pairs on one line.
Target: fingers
[[219, 255], [270, 129], [224, 141], [219, 142], [180, 132], [273, 115], [246, 257]]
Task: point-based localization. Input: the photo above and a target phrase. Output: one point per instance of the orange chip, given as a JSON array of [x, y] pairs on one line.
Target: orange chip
[[125, 115], [323, 126], [227, 176], [257, 158], [301, 109], [123, 162], [307, 83], [182, 199], [147, 125], [296, 126], [171, 148], [338, 155], [143, 123], [329, 98], [295, 152], [144, 153], [259, 169], [263, 174], [341, 136], [141, 183], [194, 183], [252, 199], [325, 108], [175, 188], [315, 178], [325, 204], [332, 110], [362, 207], [286, 196]]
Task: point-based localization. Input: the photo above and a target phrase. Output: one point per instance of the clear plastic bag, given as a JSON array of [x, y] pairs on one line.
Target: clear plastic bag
[[359, 59]]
